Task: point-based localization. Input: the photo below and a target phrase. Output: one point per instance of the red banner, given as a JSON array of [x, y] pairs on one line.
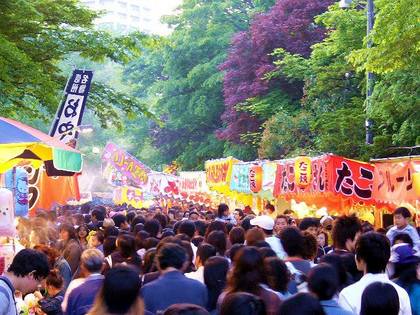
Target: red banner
[[396, 182], [333, 181]]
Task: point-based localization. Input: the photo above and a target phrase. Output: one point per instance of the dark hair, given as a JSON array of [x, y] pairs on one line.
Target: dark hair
[[267, 252], [386, 302], [218, 240], [292, 241], [310, 246], [119, 219], [205, 251], [185, 309], [325, 237], [302, 304], [51, 252], [221, 209], [150, 242], [197, 240], [253, 236], [404, 237], [323, 281], [403, 211], [246, 222], [216, 226], [242, 303], [237, 235], [130, 216], [120, 289], [126, 245], [152, 227], [247, 272], [335, 261], [345, 227], [307, 223], [374, 249], [149, 264], [111, 231], [200, 227], [215, 272], [234, 250], [241, 213], [171, 255], [54, 279], [277, 274], [136, 220], [69, 229], [270, 207], [30, 260], [99, 212], [109, 245], [163, 220], [187, 227], [141, 236]]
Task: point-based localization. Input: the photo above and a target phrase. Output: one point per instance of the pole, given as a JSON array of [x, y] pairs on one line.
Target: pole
[[369, 78]]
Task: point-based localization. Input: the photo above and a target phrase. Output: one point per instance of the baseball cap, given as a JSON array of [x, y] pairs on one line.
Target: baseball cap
[[264, 221]]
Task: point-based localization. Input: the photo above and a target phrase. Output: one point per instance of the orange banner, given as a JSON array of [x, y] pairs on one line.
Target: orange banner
[[46, 192], [396, 182]]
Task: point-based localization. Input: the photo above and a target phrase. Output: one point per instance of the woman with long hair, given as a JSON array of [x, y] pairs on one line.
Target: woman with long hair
[[247, 275], [120, 293], [125, 254], [215, 272], [71, 249]]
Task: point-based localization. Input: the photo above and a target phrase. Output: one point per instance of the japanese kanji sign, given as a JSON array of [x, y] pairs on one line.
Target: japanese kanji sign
[[69, 115]]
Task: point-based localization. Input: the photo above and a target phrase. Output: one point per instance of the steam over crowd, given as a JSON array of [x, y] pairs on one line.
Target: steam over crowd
[[99, 259]]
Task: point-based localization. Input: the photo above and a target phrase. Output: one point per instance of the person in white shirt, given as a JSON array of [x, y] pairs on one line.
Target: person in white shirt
[[372, 255], [204, 252], [266, 224]]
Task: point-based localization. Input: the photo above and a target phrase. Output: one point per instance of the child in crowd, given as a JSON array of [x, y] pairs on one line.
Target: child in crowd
[[50, 303]]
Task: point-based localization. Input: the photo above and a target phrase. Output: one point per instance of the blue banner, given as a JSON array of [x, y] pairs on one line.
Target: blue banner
[[239, 180]]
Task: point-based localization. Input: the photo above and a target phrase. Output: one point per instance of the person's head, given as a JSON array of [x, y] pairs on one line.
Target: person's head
[[108, 222], [293, 242], [120, 290], [82, 232], [216, 226], [95, 239], [269, 209], [310, 225], [242, 303], [323, 281], [185, 309], [280, 223], [238, 214], [109, 245], [322, 239], [67, 232], [51, 252], [277, 274], [253, 236], [98, 214], [403, 238], [246, 222], [29, 267], [126, 245], [204, 252], [54, 282], [215, 273], [152, 227], [237, 235], [218, 240], [194, 216], [335, 261], [234, 249], [265, 223], [187, 227], [401, 217], [121, 221], [345, 232], [302, 304], [38, 236], [163, 220], [310, 246], [91, 261], [171, 255], [222, 210], [247, 271], [149, 264], [372, 252], [380, 298]]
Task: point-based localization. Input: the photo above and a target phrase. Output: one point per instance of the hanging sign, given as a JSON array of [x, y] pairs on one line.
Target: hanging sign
[[70, 113], [303, 171], [255, 178], [17, 181], [240, 178]]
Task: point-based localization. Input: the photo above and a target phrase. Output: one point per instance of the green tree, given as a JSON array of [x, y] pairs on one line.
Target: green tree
[[35, 36]]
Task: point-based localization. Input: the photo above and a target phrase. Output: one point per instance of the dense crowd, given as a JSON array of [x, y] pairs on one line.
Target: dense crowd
[[98, 259]]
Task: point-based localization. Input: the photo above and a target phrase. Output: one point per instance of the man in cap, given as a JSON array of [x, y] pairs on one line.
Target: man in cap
[[266, 224]]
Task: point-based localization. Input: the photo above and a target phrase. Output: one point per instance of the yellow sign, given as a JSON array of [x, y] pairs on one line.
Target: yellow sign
[[303, 171]]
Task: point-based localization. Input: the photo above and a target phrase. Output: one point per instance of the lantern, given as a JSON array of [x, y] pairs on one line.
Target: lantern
[[303, 171], [255, 178]]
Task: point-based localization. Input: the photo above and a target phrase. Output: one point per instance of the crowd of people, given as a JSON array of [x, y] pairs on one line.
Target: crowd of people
[[99, 260]]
